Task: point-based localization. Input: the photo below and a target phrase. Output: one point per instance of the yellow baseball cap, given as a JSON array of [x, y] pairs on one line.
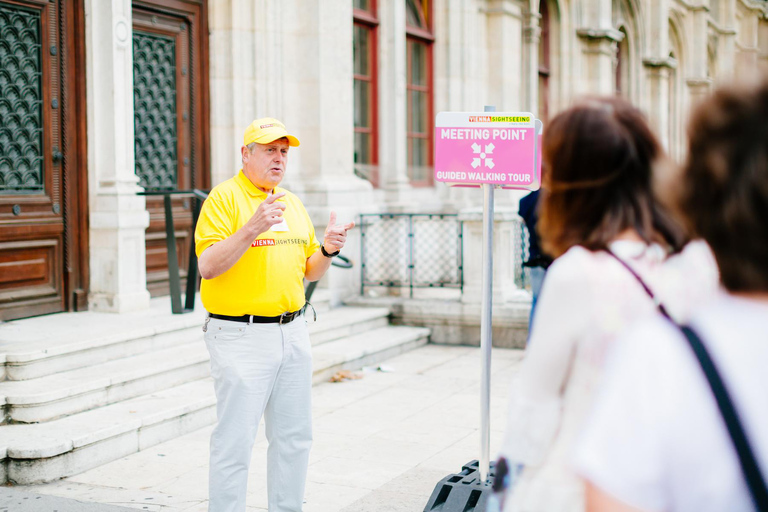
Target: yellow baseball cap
[[266, 130]]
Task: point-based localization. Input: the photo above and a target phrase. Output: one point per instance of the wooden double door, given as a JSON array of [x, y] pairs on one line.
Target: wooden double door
[[43, 180], [170, 86], [43, 146]]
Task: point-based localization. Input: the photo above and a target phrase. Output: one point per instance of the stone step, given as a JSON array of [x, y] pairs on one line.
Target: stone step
[[344, 321], [36, 347], [40, 346], [69, 392], [42, 452], [61, 394], [365, 349]]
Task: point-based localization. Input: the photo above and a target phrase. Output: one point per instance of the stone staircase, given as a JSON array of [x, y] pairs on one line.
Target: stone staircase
[[82, 389]]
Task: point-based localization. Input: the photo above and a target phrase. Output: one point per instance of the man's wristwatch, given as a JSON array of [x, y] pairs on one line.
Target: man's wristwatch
[[329, 254]]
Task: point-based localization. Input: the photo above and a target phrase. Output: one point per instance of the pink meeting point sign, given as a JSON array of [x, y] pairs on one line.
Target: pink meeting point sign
[[498, 148]]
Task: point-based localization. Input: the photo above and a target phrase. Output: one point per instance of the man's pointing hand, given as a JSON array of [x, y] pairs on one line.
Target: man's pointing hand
[[335, 235]]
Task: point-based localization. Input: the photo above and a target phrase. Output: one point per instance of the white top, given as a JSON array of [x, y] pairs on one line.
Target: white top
[[656, 439], [587, 299]]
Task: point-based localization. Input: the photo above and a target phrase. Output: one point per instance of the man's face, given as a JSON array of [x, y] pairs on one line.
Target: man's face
[[265, 166]]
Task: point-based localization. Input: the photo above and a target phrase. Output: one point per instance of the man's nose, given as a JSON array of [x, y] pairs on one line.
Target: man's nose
[[279, 157]]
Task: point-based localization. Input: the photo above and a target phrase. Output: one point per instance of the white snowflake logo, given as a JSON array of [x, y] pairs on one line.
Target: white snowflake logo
[[484, 159]]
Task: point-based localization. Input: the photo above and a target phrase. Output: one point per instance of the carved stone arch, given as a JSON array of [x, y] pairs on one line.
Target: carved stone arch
[[627, 18], [678, 104], [712, 43]]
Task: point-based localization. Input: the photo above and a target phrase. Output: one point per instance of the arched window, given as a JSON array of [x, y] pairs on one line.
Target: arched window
[[364, 49], [544, 60], [419, 90]]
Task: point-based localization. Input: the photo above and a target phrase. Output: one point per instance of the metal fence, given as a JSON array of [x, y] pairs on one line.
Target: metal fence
[[409, 250], [521, 247]]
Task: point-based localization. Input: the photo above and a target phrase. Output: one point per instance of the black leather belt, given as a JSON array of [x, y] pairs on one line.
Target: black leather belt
[[279, 319]]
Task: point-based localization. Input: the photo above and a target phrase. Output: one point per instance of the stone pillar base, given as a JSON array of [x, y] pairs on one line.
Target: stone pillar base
[[504, 242], [118, 253], [119, 303]]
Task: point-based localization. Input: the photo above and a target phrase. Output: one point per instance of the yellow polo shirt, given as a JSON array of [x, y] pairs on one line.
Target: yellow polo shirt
[[267, 279]]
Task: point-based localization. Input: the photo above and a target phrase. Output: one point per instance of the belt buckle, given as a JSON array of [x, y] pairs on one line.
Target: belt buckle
[[283, 318]]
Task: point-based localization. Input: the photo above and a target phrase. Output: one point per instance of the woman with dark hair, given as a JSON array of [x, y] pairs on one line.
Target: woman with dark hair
[[598, 214], [661, 436]]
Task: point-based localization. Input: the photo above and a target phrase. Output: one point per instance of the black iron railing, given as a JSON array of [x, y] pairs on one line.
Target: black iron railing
[[411, 250], [174, 280]]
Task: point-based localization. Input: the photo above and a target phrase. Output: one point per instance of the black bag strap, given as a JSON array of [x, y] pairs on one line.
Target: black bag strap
[[747, 461], [749, 467], [632, 271]]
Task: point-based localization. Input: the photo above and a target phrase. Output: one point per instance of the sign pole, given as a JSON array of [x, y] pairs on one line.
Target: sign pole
[[491, 150], [486, 327]]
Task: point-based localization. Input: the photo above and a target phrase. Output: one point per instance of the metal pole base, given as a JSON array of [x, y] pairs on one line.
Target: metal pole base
[[463, 491]]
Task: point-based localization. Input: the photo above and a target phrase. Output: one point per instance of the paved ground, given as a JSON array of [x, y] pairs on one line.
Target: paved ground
[[16, 500], [381, 444]]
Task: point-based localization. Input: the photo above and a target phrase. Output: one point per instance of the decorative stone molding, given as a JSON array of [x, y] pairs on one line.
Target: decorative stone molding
[[591, 34], [669, 62], [719, 29], [502, 7], [755, 6]]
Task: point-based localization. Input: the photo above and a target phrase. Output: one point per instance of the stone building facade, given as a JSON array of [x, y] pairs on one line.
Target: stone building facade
[[100, 99]]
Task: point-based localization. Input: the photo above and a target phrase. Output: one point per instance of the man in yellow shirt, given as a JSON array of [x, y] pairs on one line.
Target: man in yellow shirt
[[255, 244]]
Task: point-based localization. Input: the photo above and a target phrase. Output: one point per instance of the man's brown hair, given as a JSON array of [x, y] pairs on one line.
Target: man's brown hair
[[725, 183], [598, 158]]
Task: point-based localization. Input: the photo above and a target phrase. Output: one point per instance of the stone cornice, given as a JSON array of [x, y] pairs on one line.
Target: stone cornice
[[699, 82], [747, 49], [502, 7], [610, 34], [694, 6], [653, 62], [756, 6], [730, 31]]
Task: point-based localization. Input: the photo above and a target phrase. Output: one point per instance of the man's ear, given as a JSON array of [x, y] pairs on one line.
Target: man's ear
[[245, 153]]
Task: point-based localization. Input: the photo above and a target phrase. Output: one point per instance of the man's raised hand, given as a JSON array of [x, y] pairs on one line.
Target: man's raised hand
[[336, 235], [269, 213]]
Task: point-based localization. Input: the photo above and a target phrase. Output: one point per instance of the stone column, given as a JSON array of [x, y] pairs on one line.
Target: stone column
[[599, 40], [658, 66], [393, 140], [748, 54], [699, 82], [763, 43], [531, 39], [726, 44], [118, 217], [599, 52], [234, 65], [504, 50], [317, 97]]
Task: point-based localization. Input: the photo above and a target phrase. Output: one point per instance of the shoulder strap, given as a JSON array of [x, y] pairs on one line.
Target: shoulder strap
[[749, 467], [747, 461], [650, 293]]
